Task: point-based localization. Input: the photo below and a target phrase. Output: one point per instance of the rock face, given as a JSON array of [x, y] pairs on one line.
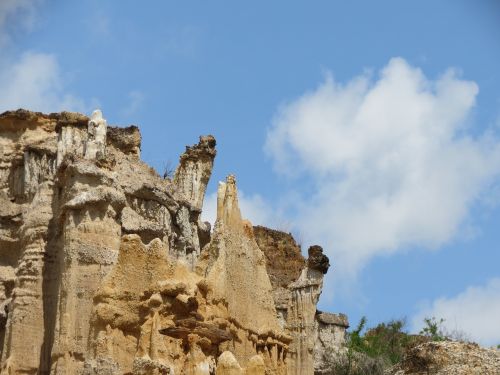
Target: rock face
[[297, 284], [106, 267], [449, 358], [330, 335]]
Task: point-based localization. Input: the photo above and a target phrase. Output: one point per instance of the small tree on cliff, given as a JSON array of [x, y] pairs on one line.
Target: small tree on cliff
[[433, 329]]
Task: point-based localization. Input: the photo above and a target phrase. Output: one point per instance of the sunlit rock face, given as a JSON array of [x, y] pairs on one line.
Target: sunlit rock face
[[106, 267]]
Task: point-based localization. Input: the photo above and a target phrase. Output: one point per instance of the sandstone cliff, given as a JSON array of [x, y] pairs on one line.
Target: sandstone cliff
[[106, 267]]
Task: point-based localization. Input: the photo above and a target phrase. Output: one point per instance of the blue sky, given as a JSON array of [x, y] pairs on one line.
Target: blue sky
[[371, 128]]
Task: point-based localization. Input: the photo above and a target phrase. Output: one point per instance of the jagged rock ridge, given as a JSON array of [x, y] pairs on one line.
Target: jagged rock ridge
[[107, 268]]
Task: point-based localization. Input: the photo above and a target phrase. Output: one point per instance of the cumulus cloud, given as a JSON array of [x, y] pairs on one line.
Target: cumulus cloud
[[389, 159], [35, 82], [475, 312], [32, 80], [252, 207]]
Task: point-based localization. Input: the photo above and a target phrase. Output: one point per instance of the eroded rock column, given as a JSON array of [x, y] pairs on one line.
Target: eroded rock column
[[96, 136], [89, 209], [24, 336], [190, 184], [330, 339], [235, 269], [90, 242], [194, 171], [302, 311]]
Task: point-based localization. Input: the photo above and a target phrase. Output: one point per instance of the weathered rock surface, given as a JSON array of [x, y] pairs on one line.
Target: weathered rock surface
[[329, 340], [106, 268], [449, 358], [284, 262], [297, 284]]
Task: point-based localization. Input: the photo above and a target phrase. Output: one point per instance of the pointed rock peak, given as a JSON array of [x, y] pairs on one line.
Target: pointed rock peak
[[193, 173], [205, 148], [228, 210], [96, 136], [96, 116]]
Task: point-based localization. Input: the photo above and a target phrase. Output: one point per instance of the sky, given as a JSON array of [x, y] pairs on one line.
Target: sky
[[370, 128]]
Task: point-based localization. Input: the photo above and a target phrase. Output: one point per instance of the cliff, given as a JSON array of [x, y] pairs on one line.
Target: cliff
[[106, 267]]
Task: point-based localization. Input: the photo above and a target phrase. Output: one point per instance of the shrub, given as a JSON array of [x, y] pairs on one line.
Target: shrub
[[357, 364], [388, 340], [434, 329], [375, 350], [380, 347], [168, 170]]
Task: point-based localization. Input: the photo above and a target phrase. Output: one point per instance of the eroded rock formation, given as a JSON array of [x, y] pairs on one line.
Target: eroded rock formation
[[106, 267]]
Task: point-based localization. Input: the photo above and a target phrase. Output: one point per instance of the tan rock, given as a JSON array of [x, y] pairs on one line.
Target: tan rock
[[228, 365], [194, 171], [256, 366], [106, 268]]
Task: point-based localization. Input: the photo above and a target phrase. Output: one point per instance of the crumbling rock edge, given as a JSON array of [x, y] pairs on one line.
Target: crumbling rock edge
[[107, 268], [448, 358]]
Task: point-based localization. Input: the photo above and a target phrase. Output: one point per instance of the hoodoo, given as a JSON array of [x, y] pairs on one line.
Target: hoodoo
[[107, 268]]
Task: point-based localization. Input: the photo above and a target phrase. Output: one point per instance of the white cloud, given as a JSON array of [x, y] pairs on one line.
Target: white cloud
[[32, 80], [475, 311], [23, 11], [35, 82], [389, 159], [252, 208]]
